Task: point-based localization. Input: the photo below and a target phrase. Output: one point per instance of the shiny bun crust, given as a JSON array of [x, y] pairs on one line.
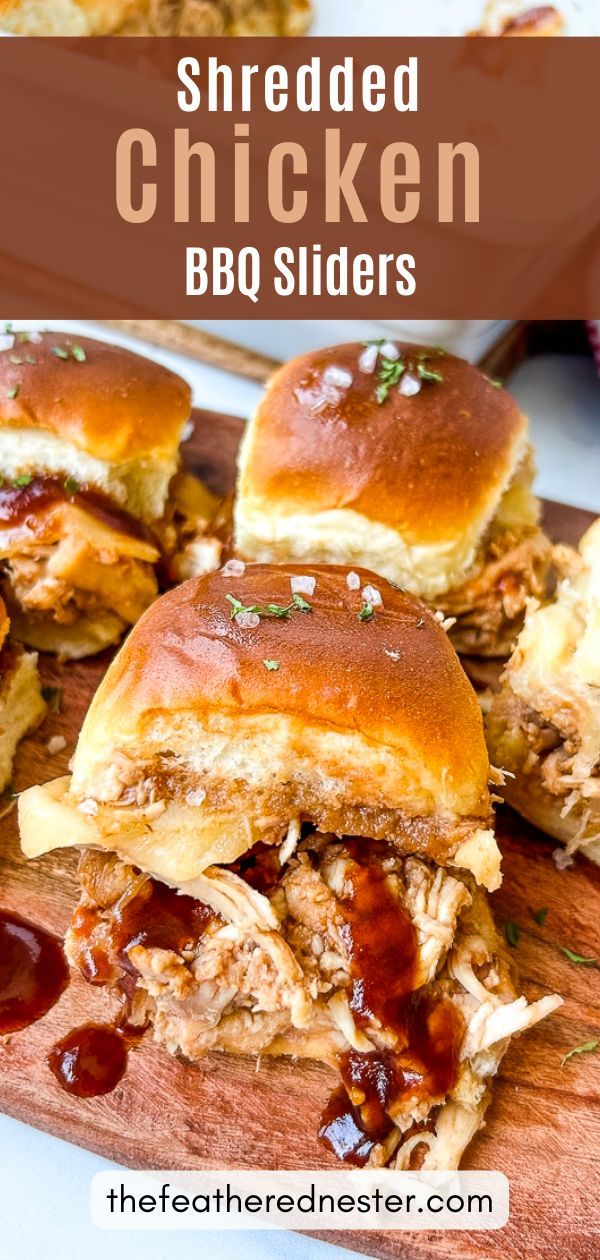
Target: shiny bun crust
[[393, 681], [112, 404], [407, 486]]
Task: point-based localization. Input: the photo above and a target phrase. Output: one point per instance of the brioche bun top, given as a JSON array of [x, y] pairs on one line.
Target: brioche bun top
[[429, 465], [393, 679], [106, 401]]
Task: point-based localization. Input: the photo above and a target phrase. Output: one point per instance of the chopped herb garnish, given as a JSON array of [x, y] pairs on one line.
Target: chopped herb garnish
[[8, 327], [30, 359], [269, 610], [376, 341], [389, 374], [16, 359], [13, 392], [540, 916], [578, 958], [513, 932], [24, 480], [428, 374], [271, 665], [587, 1048], [60, 352], [53, 698], [302, 603], [71, 485], [79, 354], [494, 380], [367, 611]]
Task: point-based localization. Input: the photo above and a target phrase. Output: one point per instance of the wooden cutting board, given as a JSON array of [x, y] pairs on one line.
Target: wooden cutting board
[[543, 1128]]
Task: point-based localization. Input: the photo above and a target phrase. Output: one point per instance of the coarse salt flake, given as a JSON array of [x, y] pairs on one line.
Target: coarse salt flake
[[56, 744], [372, 596], [233, 568], [409, 385], [247, 620], [7, 341], [561, 859], [389, 350], [340, 377], [353, 581], [303, 585], [368, 359], [393, 655]]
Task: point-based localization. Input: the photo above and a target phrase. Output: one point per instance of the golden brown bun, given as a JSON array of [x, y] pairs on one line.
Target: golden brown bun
[[407, 486], [116, 406], [66, 17], [364, 726]]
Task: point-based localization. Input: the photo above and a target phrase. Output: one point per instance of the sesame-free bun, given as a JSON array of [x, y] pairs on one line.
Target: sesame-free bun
[[365, 727], [407, 487], [92, 411], [66, 17]]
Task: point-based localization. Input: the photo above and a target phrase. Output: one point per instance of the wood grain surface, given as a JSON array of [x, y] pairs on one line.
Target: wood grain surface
[[543, 1128]]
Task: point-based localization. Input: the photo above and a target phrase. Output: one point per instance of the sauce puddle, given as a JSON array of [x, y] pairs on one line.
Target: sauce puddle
[[91, 1060], [33, 972]]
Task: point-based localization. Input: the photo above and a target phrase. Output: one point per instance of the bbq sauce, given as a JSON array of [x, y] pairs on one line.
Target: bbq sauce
[[381, 945], [260, 867], [90, 1060], [33, 972], [18, 503], [157, 917]]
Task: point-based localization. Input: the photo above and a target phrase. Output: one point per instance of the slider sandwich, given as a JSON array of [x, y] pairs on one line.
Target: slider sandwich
[[544, 724], [22, 706], [92, 499], [280, 793], [407, 461]]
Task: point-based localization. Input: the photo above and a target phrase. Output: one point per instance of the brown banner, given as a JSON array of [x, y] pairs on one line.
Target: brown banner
[[463, 182]]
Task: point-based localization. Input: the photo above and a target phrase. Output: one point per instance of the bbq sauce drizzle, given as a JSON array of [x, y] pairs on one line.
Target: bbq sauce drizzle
[[91, 1060], [381, 944], [18, 503]]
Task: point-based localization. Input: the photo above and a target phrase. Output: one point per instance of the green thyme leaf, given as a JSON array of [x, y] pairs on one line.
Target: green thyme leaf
[[540, 916], [586, 1048], [271, 665], [60, 352], [390, 371], [512, 932], [53, 698], [302, 603], [367, 611], [578, 958], [24, 480], [428, 374], [13, 392], [79, 354], [71, 485]]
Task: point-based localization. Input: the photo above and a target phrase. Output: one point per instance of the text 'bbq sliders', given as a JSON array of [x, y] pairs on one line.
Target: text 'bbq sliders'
[[408, 461], [281, 796], [92, 499], [544, 724]]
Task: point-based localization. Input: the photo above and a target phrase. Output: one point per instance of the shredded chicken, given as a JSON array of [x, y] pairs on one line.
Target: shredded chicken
[[272, 970]]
